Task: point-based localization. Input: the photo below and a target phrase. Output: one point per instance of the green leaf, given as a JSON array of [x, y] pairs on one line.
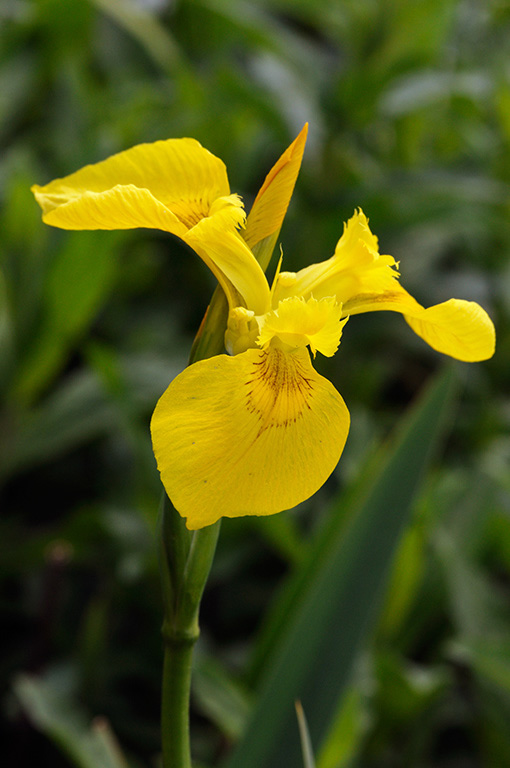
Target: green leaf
[[219, 696], [348, 728], [80, 279], [51, 708], [406, 575], [144, 27], [304, 735], [333, 619], [79, 411]]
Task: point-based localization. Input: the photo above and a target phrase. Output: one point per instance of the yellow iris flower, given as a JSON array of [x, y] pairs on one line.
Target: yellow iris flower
[[258, 430]]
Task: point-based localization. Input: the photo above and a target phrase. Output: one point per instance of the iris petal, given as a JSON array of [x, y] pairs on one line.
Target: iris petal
[[365, 281], [177, 174], [270, 205], [218, 243], [122, 207], [252, 434], [461, 329]]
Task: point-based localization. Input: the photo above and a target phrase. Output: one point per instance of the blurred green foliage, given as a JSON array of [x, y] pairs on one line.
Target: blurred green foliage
[[409, 112]]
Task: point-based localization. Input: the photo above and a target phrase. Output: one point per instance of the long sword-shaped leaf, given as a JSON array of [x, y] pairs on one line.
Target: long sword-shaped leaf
[[54, 712], [333, 618]]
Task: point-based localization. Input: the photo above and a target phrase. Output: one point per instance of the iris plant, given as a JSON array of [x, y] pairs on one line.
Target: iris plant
[[257, 430]]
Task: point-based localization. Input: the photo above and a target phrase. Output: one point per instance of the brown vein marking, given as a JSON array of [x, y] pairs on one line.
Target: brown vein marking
[[191, 212], [360, 299], [279, 389]]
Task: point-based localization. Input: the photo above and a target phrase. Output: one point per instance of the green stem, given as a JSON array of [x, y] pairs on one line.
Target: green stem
[[175, 740], [185, 567], [198, 566]]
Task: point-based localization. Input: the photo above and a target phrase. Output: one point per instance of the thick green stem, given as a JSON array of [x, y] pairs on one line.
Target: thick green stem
[[175, 740], [185, 567]]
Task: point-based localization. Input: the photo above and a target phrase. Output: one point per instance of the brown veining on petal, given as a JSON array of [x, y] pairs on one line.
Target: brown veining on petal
[[279, 389], [191, 212]]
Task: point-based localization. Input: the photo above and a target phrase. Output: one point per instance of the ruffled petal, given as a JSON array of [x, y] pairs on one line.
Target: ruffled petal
[[458, 328], [178, 174], [363, 280], [355, 267], [270, 205], [298, 322], [252, 434]]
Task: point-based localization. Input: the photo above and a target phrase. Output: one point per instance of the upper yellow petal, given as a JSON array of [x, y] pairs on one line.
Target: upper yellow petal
[[270, 205], [355, 267], [252, 434], [176, 175]]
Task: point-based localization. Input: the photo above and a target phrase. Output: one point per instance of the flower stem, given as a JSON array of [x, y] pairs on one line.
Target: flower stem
[[175, 740], [185, 562]]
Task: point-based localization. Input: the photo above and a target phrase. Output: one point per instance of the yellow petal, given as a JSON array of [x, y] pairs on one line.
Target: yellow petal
[[218, 243], [252, 434], [298, 322], [355, 267], [178, 176], [395, 300], [122, 207], [270, 205], [461, 329]]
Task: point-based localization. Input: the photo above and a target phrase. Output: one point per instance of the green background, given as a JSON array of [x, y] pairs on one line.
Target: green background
[[408, 103]]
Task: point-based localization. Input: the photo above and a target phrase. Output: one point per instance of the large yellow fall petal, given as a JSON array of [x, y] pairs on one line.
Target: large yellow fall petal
[[252, 434], [270, 205], [461, 329], [159, 184]]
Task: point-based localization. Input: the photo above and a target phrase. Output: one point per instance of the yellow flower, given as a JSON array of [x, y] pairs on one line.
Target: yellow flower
[[258, 430]]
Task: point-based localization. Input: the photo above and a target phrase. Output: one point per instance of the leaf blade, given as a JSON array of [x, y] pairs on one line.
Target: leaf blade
[[329, 627]]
